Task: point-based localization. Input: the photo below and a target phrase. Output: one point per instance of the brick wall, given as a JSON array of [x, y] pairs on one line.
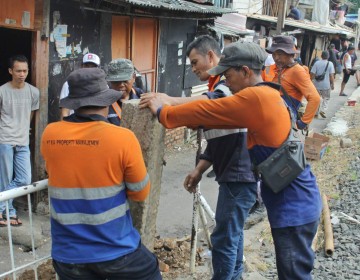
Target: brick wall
[[174, 137]]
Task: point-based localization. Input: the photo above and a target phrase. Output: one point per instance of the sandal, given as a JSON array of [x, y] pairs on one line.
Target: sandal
[[16, 219], [3, 222]]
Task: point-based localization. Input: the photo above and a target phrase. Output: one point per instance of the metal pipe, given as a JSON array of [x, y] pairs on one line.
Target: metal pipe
[[329, 238], [11, 247], [207, 208], [204, 224], [24, 266], [20, 191], [196, 205], [194, 232], [32, 232]]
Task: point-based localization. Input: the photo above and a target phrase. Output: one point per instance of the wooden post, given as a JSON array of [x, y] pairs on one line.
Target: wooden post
[[40, 68], [40, 79], [329, 238], [281, 16]]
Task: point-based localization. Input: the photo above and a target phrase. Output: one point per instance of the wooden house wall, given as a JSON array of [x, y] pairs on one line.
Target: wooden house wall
[[87, 31], [174, 74]]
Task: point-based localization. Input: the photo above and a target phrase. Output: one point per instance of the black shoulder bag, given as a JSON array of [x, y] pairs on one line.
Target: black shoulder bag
[[322, 76], [287, 162]]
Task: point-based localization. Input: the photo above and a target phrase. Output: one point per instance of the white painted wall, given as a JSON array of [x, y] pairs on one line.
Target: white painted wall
[[248, 6]]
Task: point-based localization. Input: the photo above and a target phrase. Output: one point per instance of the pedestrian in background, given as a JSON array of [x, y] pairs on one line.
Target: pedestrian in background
[[227, 151], [121, 75], [94, 168], [322, 75], [268, 73], [294, 79], [347, 63], [334, 58], [90, 60], [293, 212], [294, 13], [18, 101]]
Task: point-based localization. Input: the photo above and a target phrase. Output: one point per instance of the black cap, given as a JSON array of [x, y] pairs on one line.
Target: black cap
[[88, 87]]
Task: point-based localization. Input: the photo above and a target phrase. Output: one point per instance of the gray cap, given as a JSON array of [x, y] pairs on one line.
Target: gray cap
[[120, 69], [240, 54]]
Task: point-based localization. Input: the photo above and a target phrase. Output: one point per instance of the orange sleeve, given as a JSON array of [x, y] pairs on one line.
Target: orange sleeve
[[136, 177], [297, 83], [305, 86], [251, 108]]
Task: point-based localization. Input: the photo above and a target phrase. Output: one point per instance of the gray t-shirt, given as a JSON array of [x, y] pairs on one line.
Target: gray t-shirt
[[319, 68], [15, 110]]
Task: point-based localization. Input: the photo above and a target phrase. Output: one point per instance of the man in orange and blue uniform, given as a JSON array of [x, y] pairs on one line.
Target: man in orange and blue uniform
[[294, 212], [94, 167], [294, 79], [226, 150], [121, 75]]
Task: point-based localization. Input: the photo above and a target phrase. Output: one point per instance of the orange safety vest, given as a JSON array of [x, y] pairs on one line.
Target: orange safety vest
[[213, 80], [117, 107], [268, 73]]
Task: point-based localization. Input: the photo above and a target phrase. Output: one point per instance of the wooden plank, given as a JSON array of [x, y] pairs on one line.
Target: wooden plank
[[144, 47], [41, 52], [40, 78], [11, 13], [120, 37], [281, 16]]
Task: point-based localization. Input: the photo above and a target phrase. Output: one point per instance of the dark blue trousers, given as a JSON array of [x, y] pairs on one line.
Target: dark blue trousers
[[294, 256], [139, 265]]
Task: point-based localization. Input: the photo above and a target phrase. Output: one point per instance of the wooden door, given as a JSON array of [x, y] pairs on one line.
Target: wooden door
[[144, 48]]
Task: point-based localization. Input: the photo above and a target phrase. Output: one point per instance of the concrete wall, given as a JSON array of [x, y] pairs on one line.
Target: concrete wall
[[150, 134]]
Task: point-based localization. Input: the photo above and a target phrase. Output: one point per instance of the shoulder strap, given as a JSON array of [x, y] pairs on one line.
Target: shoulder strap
[[117, 109], [280, 88], [326, 67], [288, 97]]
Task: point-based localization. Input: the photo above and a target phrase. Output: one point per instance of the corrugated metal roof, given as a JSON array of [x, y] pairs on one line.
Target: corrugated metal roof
[[232, 24], [307, 25], [176, 5]]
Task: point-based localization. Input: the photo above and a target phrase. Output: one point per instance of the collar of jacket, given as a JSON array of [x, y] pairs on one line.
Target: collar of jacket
[[79, 118]]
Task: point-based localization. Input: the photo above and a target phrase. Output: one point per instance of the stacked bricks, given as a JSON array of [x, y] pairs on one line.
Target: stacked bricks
[[174, 137]]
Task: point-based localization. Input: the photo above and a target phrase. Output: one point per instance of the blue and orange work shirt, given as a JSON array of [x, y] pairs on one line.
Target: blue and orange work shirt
[[94, 168], [262, 111]]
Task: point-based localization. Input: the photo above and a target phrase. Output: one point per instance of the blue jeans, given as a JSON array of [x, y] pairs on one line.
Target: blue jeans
[[15, 171], [140, 265], [294, 256], [234, 203]]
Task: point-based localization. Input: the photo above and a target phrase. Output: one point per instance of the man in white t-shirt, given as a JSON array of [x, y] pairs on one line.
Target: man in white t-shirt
[[90, 60], [322, 74], [18, 101], [347, 68]]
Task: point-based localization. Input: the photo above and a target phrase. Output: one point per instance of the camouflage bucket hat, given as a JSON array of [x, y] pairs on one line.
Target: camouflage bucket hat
[[120, 69]]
